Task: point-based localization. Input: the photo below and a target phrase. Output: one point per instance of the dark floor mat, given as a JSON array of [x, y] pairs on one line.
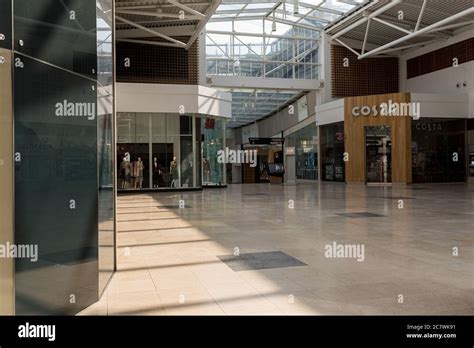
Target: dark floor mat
[[261, 260]]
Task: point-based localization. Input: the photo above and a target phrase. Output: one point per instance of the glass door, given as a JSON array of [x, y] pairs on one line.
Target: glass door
[[378, 154]]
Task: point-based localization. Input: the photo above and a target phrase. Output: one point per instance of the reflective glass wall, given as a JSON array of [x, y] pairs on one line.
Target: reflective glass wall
[[64, 162], [438, 150], [158, 151], [305, 141], [213, 141], [332, 152]]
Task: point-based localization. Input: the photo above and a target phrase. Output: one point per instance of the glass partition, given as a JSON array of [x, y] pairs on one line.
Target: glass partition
[[306, 146], [438, 150], [332, 152], [213, 133]]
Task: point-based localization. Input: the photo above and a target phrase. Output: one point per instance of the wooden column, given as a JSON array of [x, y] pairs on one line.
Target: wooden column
[[354, 136]]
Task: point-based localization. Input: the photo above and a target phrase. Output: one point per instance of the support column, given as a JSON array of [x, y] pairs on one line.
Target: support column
[[7, 289]]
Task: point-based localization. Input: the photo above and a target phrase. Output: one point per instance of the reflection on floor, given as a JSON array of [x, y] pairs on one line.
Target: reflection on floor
[[169, 257]]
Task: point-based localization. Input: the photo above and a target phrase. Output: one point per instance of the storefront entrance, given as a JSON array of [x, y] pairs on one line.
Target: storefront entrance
[[378, 154]]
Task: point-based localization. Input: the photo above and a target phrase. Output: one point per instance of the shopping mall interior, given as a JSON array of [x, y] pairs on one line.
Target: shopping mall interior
[[236, 157]]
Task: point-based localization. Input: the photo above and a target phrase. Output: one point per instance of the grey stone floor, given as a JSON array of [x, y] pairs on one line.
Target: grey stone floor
[[170, 260]]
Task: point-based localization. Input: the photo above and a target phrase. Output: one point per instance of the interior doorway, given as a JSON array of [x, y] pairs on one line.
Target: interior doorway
[[378, 154]]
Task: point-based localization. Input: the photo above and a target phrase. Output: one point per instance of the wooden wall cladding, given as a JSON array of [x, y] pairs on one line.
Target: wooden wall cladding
[[354, 137], [158, 64], [362, 77], [441, 59]]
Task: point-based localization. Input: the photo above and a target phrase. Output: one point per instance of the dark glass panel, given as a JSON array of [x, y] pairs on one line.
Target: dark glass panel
[[198, 150], [61, 32], [438, 150], [332, 152], [185, 125], [5, 24], [162, 155], [56, 198]]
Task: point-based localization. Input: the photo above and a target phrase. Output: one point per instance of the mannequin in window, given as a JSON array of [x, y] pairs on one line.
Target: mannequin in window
[[138, 172], [174, 172], [278, 157], [156, 172], [207, 169], [125, 172]]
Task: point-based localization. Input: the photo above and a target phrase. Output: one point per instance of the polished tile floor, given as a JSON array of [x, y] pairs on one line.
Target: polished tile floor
[[418, 244]]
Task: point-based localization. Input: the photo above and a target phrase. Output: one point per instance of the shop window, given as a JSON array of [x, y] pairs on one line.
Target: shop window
[[332, 152], [213, 172], [438, 150], [156, 151], [305, 142]]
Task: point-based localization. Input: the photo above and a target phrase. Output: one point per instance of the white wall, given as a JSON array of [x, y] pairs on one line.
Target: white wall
[[330, 112], [325, 71], [442, 81], [441, 105], [146, 97]]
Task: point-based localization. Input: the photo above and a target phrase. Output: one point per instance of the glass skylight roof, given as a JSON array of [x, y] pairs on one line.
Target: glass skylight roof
[[268, 39], [292, 10]]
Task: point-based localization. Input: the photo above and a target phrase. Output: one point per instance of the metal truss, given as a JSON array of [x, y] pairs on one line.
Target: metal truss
[[432, 31], [164, 12], [276, 57]]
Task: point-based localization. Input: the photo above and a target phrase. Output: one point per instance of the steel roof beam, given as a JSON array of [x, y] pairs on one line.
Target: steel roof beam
[[153, 43], [425, 30], [365, 19], [138, 26], [155, 14], [210, 11], [158, 5], [186, 8], [273, 36]]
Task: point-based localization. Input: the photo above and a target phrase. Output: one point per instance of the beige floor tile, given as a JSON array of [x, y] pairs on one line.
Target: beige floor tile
[[166, 253], [136, 303]]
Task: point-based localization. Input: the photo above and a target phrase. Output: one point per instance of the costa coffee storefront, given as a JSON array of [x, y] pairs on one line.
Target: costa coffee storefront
[[398, 138]]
